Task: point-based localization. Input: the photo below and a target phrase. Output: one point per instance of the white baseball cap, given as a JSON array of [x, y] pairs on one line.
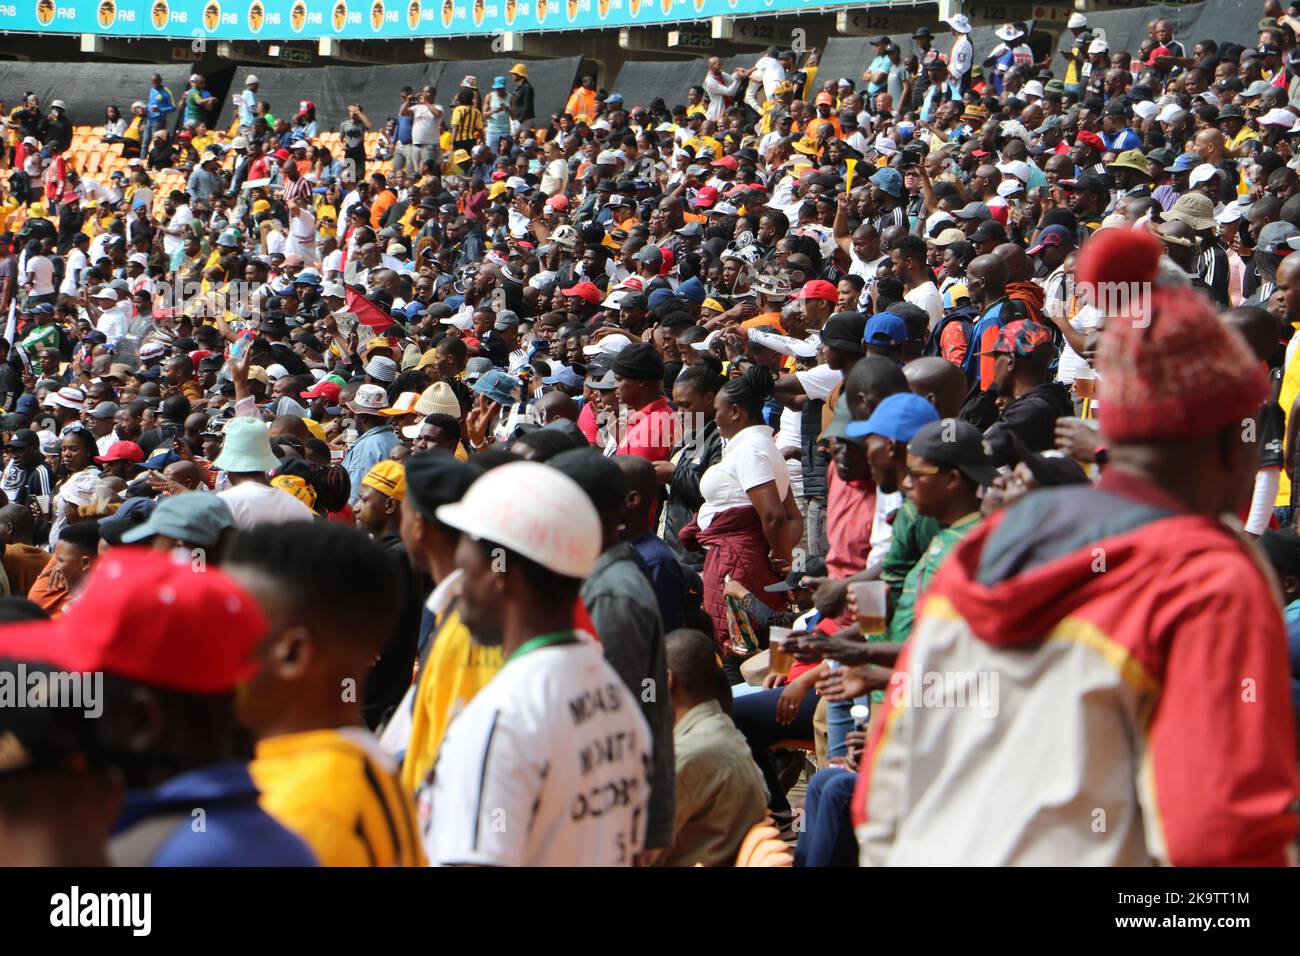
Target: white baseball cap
[[1033, 88], [534, 510], [1017, 167], [251, 80], [108, 292], [58, 105], [1098, 46], [139, 258], [1009, 187], [333, 289], [1278, 117], [1077, 21], [1168, 113], [609, 345], [1145, 110], [1203, 174]]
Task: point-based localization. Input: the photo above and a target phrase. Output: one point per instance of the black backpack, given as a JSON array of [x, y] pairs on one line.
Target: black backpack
[[966, 315], [20, 186]]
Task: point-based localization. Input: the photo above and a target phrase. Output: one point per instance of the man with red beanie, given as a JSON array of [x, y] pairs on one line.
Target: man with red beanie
[[1119, 639]]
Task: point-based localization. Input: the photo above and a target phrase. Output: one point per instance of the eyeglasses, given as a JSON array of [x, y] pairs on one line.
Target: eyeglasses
[[925, 470]]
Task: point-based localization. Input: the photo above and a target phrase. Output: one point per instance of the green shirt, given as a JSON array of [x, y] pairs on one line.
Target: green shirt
[[912, 534], [919, 578]]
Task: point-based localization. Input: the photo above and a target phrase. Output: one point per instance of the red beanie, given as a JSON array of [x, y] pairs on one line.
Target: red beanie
[[1168, 366]]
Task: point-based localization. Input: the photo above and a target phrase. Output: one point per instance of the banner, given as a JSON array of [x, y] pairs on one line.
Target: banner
[[285, 20]]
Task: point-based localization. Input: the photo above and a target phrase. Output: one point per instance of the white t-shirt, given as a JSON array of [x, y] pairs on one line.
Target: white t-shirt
[[926, 296], [819, 381], [253, 504], [555, 177], [789, 436], [424, 126], [113, 322], [40, 271], [302, 235], [75, 265], [546, 766], [183, 216], [748, 460], [959, 62]]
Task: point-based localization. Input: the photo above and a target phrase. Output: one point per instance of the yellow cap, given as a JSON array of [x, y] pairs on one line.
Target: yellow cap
[[714, 305], [297, 487], [388, 478], [496, 189], [261, 206]]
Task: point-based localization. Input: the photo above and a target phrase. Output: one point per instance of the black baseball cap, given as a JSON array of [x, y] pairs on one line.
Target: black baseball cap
[[23, 438], [953, 443], [844, 331]]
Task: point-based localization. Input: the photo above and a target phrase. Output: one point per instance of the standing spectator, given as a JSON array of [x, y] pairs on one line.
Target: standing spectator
[[496, 113], [466, 121], [962, 56], [522, 101], [197, 102], [246, 103], [158, 107], [353, 132]]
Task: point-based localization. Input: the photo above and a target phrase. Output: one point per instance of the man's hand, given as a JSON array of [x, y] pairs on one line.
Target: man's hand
[[828, 598], [663, 471], [1077, 439], [844, 646], [845, 683]]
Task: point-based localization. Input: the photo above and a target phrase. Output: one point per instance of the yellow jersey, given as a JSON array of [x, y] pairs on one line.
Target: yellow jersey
[[339, 791], [454, 669]]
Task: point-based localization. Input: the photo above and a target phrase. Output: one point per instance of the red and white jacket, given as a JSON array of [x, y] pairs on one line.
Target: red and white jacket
[[1095, 677]]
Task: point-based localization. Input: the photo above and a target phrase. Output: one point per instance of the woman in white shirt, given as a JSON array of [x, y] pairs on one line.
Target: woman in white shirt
[[749, 522]]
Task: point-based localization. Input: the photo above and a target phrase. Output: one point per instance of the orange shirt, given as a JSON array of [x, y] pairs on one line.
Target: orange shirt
[[764, 318], [582, 104], [49, 598], [380, 206]]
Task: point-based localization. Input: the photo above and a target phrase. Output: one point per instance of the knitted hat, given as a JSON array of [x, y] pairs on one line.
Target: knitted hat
[[1169, 367]]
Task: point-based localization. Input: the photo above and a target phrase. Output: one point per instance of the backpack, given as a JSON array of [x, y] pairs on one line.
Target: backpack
[[20, 186], [966, 315]]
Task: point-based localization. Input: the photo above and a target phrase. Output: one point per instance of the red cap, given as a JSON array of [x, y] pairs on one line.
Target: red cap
[[198, 354], [739, 188], [1089, 138], [326, 390], [122, 451], [70, 196], [280, 154], [304, 106], [669, 257], [705, 197], [584, 290], [726, 162], [499, 175], [152, 620], [558, 201], [817, 289]]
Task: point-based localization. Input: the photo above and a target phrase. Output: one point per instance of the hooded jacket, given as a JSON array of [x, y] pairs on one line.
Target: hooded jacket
[[1096, 676], [1033, 417]]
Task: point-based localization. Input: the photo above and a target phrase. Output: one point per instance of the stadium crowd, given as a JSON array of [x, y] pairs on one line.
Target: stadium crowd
[[488, 488]]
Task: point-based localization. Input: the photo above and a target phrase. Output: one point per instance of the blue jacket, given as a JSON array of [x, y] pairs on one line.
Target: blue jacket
[[233, 830], [366, 452], [160, 103]]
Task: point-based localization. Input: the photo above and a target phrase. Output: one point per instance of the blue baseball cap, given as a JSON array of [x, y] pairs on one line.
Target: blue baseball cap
[[501, 387], [43, 308], [885, 328], [692, 290], [307, 277], [161, 459], [889, 180], [898, 418], [27, 405], [659, 296], [1185, 162], [566, 376]]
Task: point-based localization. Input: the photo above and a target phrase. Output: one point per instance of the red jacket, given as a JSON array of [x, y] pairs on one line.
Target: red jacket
[[1095, 676]]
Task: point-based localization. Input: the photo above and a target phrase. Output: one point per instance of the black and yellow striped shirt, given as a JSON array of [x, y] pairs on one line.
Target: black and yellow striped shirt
[[339, 791]]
